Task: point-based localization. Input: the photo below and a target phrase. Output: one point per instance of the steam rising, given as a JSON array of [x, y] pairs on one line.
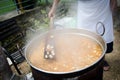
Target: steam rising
[[66, 14], [65, 18]]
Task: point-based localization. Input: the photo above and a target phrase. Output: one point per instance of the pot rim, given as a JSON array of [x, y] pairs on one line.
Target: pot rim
[[77, 70]]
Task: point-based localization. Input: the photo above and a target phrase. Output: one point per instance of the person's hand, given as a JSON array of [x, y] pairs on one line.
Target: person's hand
[[51, 13]]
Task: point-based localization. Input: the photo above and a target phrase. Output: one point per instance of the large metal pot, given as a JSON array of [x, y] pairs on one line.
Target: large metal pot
[[40, 74]]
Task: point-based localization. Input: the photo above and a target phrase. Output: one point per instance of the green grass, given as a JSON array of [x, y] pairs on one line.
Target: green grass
[[6, 6]]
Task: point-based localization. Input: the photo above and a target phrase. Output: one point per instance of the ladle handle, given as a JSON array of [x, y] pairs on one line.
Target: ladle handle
[[102, 27], [51, 23], [49, 42]]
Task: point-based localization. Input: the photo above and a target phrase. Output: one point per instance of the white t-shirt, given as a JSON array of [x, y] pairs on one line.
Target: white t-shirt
[[90, 12]]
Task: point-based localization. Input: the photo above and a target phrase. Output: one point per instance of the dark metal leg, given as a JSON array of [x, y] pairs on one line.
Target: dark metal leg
[[15, 65]]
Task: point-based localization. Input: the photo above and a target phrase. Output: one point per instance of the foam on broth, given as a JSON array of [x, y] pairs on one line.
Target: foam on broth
[[72, 52]]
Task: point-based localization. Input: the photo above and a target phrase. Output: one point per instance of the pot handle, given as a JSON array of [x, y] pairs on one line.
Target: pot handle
[[100, 23]]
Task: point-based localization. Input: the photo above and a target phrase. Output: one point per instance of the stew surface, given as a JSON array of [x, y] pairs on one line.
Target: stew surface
[[72, 52]]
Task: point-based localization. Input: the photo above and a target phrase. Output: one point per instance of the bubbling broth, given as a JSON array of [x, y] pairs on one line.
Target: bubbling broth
[[72, 52]]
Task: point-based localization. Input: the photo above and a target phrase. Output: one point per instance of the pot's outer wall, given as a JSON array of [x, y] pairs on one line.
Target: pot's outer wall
[[94, 72]]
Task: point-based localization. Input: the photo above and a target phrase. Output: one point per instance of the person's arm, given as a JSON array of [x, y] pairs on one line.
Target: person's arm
[[52, 10], [113, 4]]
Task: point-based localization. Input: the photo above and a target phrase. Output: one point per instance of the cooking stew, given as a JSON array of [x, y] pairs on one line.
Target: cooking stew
[[72, 52]]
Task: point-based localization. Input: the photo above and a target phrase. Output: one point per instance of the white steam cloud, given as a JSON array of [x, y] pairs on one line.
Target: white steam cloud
[[66, 15]]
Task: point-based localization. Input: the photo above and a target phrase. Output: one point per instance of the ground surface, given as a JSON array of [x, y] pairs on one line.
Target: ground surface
[[114, 59]]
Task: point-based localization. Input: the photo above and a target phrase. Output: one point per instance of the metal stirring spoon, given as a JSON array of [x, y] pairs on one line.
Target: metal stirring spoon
[[49, 51]]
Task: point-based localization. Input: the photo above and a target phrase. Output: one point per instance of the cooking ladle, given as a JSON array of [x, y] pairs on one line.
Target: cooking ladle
[[49, 50]]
